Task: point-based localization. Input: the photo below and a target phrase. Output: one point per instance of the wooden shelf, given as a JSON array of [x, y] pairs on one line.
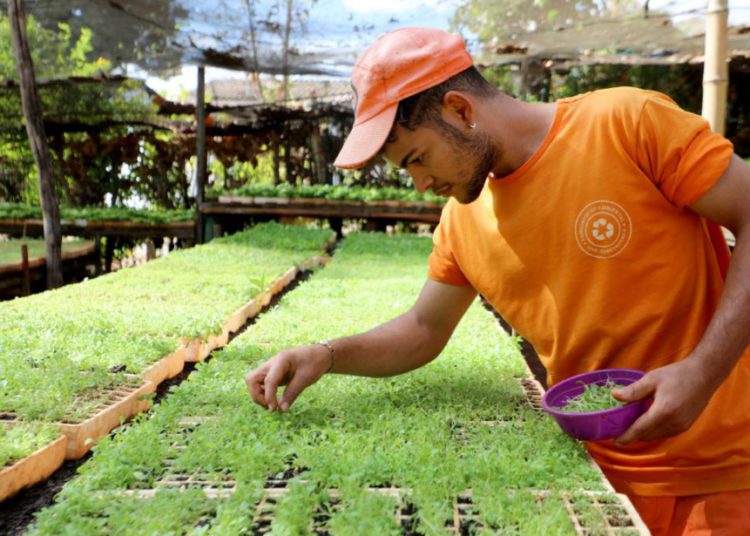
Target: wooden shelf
[[92, 229]]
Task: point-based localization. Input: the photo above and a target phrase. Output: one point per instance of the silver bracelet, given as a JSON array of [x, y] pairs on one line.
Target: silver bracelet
[[327, 344]]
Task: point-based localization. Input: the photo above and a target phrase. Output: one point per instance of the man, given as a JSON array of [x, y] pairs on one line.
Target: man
[[589, 224]]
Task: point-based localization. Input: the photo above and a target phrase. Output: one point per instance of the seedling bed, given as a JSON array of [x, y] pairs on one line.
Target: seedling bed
[[35, 467], [604, 511], [371, 456], [114, 406], [590, 513]]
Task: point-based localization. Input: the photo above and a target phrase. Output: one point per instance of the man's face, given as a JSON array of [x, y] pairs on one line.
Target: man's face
[[443, 159]]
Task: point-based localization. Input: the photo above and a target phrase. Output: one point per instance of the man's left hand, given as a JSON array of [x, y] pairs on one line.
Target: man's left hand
[[680, 393]]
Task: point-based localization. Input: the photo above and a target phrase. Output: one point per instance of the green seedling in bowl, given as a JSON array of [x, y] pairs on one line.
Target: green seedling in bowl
[[594, 398]]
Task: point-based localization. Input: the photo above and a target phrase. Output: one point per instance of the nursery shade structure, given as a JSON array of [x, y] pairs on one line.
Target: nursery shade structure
[[271, 36], [325, 36]]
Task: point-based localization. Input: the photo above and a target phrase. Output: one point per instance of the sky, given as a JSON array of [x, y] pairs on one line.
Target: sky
[[374, 17]]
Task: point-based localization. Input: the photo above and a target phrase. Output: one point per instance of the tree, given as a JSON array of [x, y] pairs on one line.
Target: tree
[[39, 145], [493, 20]]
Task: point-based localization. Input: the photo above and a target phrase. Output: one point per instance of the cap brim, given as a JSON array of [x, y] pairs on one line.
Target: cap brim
[[366, 139]]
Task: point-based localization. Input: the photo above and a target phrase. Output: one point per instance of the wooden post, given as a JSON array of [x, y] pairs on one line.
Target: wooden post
[[200, 112], [26, 275], [318, 158], [98, 254], [276, 160], [150, 250], [109, 253], [715, 68], [39, 145]]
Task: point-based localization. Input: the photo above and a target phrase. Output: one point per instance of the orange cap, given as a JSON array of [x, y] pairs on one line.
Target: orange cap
[[399, 64]]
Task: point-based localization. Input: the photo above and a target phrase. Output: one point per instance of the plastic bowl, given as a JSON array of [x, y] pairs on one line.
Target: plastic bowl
[[594, 425]]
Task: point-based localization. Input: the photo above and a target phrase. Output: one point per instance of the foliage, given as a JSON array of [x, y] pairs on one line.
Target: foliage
[[677, 81], [454, 424], [21, 439], [19, 212], [70, 340], [59, 55], [55, 55], [489, 19], [340, 193]]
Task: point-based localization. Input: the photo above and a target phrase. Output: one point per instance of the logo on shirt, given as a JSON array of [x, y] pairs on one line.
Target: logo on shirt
[[603, 229]]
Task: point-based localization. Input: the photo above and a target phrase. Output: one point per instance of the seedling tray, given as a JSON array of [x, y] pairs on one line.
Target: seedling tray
[[167, 367], [197, 350], [117, 404], [34, 468]]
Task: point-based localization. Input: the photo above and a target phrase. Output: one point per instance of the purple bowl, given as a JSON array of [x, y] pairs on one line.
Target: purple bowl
[[594, 425]]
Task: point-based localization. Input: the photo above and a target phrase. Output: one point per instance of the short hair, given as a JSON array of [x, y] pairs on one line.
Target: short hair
[[425, 108]]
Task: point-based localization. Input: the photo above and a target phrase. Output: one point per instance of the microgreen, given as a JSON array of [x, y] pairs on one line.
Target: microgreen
[[336, 193], [595, 397], [58, 348], [20, 211], [20, 439]]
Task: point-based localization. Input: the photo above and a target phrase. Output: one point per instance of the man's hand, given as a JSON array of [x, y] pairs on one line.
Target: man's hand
[[297, 368], [680, 393]]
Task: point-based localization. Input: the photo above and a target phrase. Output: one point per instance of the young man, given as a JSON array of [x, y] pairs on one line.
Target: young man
[[589, 224]]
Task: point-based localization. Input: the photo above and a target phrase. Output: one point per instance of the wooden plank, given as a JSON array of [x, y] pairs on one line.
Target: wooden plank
[[94, 229], [329, 210]]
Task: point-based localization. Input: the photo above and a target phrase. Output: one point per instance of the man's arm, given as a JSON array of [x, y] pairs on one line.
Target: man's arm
[[400, 345], [682, 390]]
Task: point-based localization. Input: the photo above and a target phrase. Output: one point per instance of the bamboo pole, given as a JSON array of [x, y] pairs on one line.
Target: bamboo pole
[[715, 67]]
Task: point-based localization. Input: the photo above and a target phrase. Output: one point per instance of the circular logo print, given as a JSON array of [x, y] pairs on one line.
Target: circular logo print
[[603, 229]]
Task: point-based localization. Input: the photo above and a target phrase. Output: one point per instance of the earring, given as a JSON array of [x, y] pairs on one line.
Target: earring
[[472, 125]]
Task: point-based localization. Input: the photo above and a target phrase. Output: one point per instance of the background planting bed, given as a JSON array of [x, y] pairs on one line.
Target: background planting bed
[[83, 343], [454, 447]]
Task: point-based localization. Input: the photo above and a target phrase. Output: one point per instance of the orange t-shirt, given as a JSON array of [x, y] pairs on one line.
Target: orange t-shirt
[[589, 252]]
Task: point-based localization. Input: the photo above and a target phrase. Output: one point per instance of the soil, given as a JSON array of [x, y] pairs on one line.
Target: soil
[[17, 513], [527, 350]]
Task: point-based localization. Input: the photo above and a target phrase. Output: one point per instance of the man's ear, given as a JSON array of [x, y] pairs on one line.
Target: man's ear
[[458, 109]]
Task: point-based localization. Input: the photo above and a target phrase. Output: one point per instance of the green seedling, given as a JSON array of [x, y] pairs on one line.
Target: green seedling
[[58, 348], [335, 193], [595, 397], [354, 453], [21, 211], [18, 440]]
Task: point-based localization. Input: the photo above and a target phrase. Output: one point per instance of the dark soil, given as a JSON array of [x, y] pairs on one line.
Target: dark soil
[[527, 350], [17, 513]]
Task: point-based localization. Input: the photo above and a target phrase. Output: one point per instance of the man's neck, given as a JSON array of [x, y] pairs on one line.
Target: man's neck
[[518, 129]]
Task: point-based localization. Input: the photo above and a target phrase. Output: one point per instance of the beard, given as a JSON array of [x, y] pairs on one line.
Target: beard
[[479, 154]]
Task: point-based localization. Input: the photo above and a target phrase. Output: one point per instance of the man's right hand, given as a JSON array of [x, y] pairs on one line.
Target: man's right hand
[[405, 343], [297, 368]]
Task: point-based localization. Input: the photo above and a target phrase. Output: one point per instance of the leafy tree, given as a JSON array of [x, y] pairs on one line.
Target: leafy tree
[[489, 20], [101, 109]]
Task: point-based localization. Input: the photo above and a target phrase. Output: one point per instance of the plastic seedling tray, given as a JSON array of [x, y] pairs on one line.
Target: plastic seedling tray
[[116, 405], [167, 367], [35, 467]]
